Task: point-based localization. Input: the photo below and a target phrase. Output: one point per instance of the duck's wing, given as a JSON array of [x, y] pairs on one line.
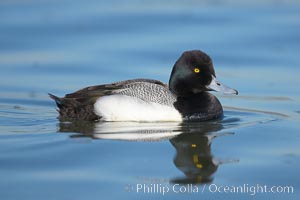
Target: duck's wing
[[145, 89], [108, 89], [80, 104]]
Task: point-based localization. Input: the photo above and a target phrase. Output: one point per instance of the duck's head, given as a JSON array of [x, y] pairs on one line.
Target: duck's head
[[193, 73]]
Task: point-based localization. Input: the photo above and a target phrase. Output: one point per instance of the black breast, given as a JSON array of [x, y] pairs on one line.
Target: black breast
[[199, 107]]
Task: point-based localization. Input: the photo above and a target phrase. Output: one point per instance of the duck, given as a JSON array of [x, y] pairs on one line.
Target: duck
[[186, 97]]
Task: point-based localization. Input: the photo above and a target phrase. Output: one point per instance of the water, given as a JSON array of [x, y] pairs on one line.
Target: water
[[62, 46]]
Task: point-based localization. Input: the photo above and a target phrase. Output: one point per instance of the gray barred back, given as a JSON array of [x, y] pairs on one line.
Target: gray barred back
[[147, 90]]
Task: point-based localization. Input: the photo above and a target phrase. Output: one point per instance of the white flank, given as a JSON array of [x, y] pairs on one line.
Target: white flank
[[126, 108]]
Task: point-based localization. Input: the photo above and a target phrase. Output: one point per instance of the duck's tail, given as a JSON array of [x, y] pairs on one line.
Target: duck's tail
[[72, 108], [57, 100]]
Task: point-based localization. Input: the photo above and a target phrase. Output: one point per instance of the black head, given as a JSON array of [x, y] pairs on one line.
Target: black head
[[193, 73]]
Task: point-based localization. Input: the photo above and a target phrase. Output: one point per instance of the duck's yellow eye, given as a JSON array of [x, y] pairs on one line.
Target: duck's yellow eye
[[196, 70]]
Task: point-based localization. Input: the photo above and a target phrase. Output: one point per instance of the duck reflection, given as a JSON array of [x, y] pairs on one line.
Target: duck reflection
[[126, 131], [194, 158], [193, 152], [192, 142]]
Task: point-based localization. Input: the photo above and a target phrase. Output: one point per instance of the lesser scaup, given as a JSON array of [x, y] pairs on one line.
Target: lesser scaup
[[186, 98]]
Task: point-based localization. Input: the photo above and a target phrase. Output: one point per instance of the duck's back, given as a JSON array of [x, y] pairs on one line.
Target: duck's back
[[131, 100], [147, 90]]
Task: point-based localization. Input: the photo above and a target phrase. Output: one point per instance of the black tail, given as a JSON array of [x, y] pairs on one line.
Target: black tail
[[57, 100], [71, 108]]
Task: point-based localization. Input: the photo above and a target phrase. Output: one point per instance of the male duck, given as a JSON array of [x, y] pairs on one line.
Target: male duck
[[184, 99]]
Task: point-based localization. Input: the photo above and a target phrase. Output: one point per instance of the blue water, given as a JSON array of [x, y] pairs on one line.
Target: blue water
[[61, 46]]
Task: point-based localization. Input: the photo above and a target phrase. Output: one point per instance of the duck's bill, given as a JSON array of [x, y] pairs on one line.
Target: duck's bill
[[215, 85]]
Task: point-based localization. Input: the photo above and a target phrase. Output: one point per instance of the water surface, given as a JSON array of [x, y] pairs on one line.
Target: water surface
[[62, 46]]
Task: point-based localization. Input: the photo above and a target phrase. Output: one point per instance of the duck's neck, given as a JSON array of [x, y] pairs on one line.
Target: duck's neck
[[181, 88], [198, 107], [178, 84]]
